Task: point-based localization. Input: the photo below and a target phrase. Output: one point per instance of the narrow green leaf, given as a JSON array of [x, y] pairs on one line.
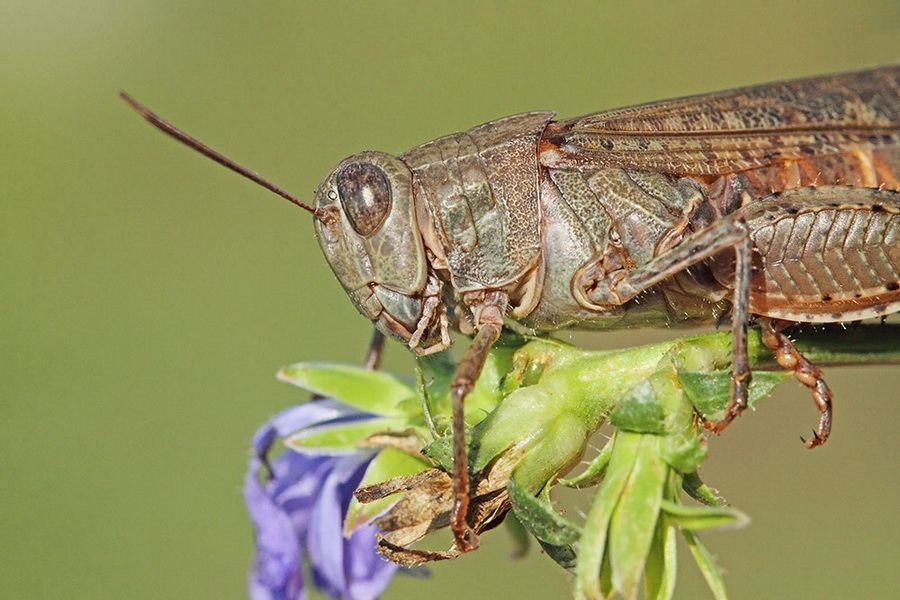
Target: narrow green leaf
[[699, 491], [661, 567], [592, 547], [594, 472], [697, 518], [565, 556], [606, 585], [370, 391], [518, 535], [338, 438], [634, 521], [540, 518], [710, 392], [708, 568]]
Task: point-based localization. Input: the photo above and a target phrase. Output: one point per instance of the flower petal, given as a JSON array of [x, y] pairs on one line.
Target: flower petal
[[276, 569], [299, 513], [325, 538], [369, 572]]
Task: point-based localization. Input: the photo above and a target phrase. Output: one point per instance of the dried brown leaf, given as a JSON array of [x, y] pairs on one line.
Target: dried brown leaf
[[426, 506]]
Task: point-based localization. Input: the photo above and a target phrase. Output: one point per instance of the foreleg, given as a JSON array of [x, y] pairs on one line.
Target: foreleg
[[490, 323]]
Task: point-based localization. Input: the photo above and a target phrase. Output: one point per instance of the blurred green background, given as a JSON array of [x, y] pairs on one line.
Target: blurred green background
[[148, 296]]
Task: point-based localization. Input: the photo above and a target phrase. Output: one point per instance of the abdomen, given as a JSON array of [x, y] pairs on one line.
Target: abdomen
[[826, 234], [826, 254]]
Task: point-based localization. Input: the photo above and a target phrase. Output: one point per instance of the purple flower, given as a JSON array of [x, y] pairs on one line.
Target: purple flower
[[298, 514]]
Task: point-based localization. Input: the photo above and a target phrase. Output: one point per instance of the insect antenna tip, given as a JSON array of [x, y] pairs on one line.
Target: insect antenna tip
[[208, 152]]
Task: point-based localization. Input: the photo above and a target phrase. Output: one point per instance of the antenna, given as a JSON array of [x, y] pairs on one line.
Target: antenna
[[205, 150]]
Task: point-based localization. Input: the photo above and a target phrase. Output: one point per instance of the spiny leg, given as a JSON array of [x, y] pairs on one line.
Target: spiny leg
[[788, 357], [740, 308], [693, 249], [466, 375]]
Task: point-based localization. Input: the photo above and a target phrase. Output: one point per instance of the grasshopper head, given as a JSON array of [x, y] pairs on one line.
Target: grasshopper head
[[366, 225], [366, 222]]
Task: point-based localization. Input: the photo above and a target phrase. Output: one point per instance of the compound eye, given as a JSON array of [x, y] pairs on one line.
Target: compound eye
[[365, 195]]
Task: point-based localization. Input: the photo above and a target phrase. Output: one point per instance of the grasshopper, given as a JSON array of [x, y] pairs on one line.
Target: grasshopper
[[776, 204]]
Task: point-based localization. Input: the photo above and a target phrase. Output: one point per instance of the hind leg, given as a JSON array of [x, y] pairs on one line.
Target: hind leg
[[788, 357]]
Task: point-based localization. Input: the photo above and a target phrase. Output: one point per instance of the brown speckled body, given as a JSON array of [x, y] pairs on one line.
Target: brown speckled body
[[813, 166], [580, 222]]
